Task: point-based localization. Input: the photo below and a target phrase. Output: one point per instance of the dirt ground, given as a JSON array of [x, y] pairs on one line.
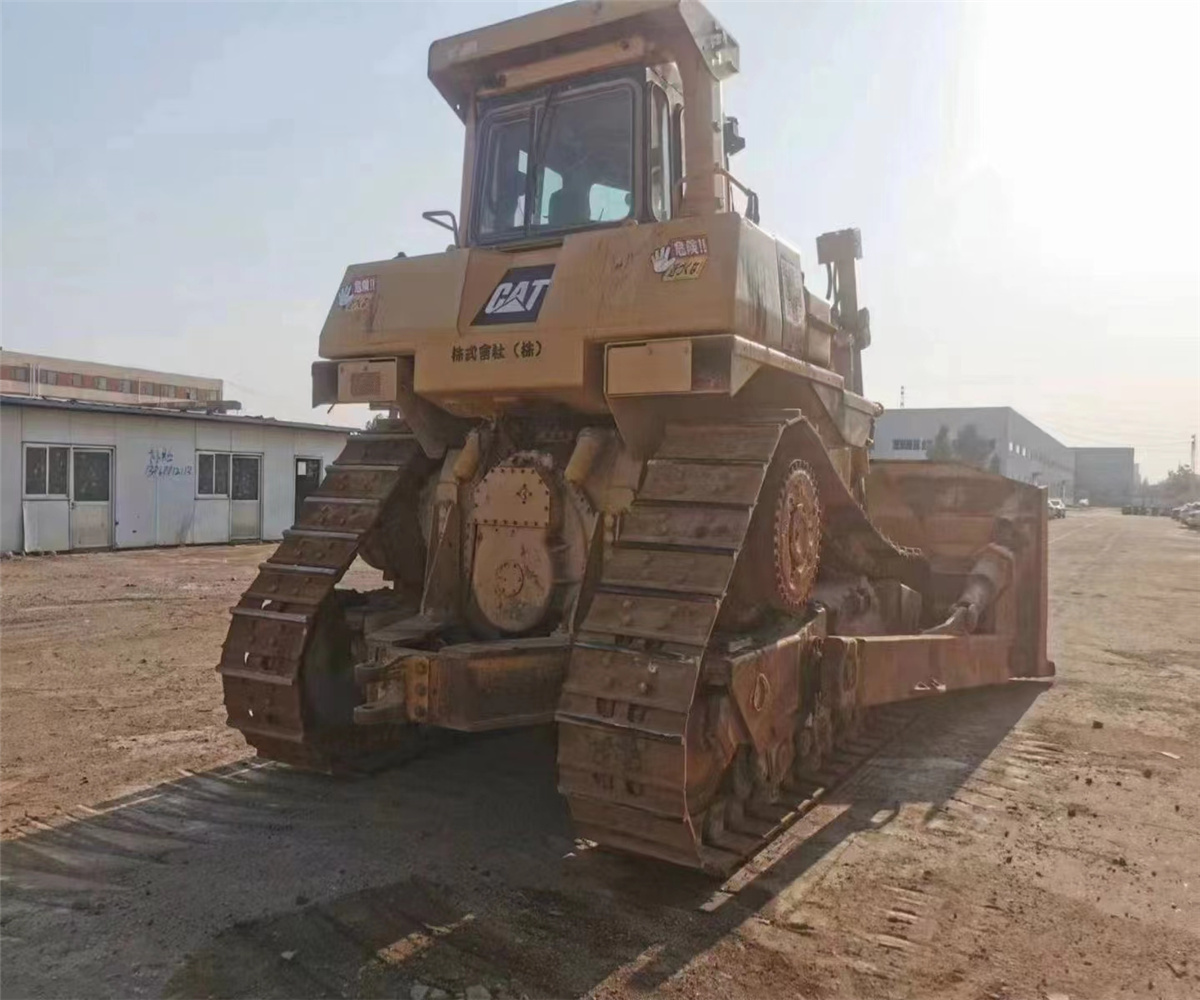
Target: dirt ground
[[108, 678], [1024, 842]]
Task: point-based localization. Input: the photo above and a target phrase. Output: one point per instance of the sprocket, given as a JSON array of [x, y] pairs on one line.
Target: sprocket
[[797, 538]]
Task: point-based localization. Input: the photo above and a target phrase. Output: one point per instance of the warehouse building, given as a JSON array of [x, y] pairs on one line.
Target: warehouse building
[[78, 474], [1107, 477], [1019, 449]]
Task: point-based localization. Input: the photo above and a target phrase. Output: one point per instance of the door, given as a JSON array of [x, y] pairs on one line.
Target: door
[[308, 478], [46, 498], [91, 498], [245, 499]]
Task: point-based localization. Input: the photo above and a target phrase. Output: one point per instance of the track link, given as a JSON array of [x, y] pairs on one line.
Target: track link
[[638, 762], [271, 633]]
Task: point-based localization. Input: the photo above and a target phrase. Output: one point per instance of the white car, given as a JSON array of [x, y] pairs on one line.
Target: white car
[[1057, 507], [1182, 511], [1192, 518]]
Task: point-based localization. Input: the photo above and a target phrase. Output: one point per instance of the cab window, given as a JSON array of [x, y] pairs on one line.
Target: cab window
[[506, 163]]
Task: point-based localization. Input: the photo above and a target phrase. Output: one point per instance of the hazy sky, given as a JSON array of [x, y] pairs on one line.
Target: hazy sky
[[184, 184]]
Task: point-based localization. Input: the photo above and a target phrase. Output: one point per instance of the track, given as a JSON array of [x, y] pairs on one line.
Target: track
[[288, 684], [649, 757]]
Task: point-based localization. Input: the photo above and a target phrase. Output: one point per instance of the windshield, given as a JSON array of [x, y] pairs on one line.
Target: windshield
[[581, 150]]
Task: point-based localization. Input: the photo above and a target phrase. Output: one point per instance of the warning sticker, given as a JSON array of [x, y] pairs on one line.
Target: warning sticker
[[681, 260], [358, 294]]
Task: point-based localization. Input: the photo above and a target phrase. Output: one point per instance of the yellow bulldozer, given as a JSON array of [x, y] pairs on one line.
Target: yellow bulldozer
[[619, 480]]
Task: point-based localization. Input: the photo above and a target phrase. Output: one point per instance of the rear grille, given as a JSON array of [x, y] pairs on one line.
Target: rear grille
[[366, 384]]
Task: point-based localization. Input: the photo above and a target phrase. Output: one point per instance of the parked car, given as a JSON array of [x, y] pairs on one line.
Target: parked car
[[1192, 518], [1057, 507], [1185, 508]]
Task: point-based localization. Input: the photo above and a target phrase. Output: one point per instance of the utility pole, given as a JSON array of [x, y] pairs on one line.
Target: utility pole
[[1193, 463]]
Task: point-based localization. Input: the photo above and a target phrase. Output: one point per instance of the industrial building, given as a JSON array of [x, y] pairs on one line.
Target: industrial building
[[1019, 448], [1107, 477], [88, 475], [59, 378]]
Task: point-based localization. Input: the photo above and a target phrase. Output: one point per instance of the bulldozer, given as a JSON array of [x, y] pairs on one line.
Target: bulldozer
[[619, 479]]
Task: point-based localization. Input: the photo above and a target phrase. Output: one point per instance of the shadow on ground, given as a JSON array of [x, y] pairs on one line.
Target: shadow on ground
[[459, 869]]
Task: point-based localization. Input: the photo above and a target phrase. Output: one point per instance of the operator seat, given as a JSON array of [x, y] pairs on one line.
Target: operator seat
[[569, 207]]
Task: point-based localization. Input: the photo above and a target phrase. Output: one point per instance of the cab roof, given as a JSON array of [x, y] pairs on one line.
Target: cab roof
[[461, 64]]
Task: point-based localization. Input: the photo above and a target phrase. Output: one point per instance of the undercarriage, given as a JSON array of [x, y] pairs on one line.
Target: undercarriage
[[708, 626]]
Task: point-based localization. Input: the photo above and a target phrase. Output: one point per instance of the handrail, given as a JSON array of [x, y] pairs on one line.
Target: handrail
[[752, 208], [751, 196]]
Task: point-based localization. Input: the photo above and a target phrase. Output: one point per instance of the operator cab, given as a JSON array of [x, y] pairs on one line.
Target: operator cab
[[577, 118]]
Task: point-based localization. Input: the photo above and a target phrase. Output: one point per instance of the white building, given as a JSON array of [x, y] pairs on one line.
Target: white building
[[1019, 448], [83, 475]]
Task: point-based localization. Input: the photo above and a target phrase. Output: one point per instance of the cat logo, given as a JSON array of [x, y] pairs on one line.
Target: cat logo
[[518, 297]]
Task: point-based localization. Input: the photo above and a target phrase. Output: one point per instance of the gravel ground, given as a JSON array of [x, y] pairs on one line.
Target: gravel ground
[[1022, 842]]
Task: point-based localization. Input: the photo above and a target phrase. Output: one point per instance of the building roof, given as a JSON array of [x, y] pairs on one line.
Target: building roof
[[154, 411], [117, 370]]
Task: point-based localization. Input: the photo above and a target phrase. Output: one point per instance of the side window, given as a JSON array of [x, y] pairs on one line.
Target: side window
[[678, 164], [660, 155]]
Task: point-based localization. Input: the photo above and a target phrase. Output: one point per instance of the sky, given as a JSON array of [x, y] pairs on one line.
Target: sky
[[184, 184]]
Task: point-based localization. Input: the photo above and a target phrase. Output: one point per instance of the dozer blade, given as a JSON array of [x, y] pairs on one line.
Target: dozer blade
[[953, 513]]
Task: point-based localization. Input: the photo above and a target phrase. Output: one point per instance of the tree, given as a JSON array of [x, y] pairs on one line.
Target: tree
[[1179, 487], [968, 447], [972, 448], [941, 450]]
